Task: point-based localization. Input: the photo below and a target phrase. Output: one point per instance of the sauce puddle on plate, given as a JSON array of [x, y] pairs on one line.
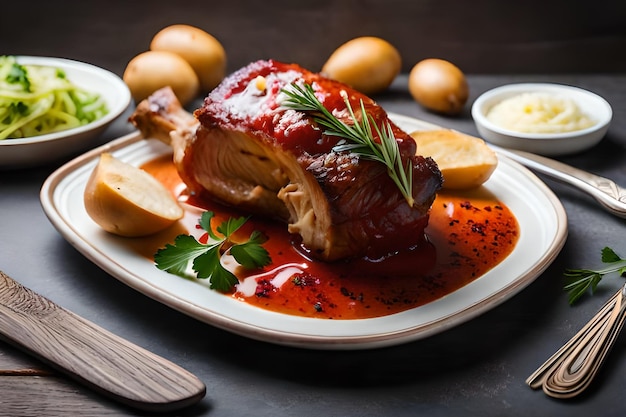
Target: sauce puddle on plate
[[468, 234]]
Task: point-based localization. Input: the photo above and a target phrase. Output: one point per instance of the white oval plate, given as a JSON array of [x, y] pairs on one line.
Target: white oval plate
[[540, 215], [36, 150]]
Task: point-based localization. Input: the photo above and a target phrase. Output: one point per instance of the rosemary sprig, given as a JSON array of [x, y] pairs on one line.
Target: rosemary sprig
[[580, 280], [360, 135]]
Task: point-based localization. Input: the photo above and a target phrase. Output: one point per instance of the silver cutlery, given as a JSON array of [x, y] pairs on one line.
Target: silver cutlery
[[609, 194], [572, 368]]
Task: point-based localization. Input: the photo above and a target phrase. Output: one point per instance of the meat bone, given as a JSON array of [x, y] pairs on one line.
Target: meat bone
[[92, 355]]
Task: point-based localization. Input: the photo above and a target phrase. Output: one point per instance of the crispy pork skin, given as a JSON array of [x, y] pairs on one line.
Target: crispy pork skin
[[250, 152]]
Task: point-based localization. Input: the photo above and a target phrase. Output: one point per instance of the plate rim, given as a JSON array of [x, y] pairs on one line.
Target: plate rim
[[295, 339]]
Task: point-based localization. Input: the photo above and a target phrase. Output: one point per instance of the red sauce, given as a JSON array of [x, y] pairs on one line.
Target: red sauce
[[468, 234]]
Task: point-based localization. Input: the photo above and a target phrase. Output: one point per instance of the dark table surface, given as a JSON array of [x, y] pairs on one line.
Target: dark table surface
[[477, 368]]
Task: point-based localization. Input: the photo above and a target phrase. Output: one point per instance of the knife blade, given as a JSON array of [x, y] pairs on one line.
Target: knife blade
[[91, 355]]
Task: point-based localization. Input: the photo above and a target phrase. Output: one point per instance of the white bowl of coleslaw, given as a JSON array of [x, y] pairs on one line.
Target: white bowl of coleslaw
[[544, 118], [40, 148]]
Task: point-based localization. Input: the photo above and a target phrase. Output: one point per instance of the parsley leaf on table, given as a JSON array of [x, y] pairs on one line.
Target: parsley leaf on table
[[580, 280], [206, 258]]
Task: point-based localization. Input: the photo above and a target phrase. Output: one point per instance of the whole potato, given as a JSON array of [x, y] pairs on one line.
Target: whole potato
[[151, 70], [367, 64], [439, 85], [202, 51]]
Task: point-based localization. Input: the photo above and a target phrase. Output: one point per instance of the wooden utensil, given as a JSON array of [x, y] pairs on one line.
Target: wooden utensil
[[91, 355]]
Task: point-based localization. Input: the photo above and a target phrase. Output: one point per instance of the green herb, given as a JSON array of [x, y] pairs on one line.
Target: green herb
[[35, 100], [583, 279], [18, 75], [206, 258], [360, 135]]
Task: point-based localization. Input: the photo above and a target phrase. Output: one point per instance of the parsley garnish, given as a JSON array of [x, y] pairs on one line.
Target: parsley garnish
[[360, 134], [206, 258], [583, 279], [18, 75]]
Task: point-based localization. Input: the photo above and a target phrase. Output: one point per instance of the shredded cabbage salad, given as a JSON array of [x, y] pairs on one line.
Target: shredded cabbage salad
[[36, 100]]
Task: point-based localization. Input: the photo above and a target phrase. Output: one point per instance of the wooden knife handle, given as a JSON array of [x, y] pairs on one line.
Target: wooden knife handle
[[92, 355]]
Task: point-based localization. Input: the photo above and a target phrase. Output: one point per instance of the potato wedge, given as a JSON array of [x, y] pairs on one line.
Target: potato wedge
[[127, 201], [465, 161]]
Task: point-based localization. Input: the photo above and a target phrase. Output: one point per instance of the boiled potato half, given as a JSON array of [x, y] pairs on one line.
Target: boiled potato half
[[127, 201], [367, 64], [201, 50], [464, 161], [152, 70]]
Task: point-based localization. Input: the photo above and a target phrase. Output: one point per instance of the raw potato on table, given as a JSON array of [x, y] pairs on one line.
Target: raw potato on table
[[367, 64], [439, 85], [202, 51], [151, 70]]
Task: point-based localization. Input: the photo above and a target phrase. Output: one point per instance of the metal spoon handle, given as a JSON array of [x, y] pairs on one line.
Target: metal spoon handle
[[91, 355], [605, 191], [538, 377], [571, 370], [579, 369]]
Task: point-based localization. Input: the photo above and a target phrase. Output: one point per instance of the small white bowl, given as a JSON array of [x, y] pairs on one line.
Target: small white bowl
[[37, 150], [544, 143]]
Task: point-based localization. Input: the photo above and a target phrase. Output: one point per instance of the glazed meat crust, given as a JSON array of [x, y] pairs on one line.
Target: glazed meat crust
[[250, 152]]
